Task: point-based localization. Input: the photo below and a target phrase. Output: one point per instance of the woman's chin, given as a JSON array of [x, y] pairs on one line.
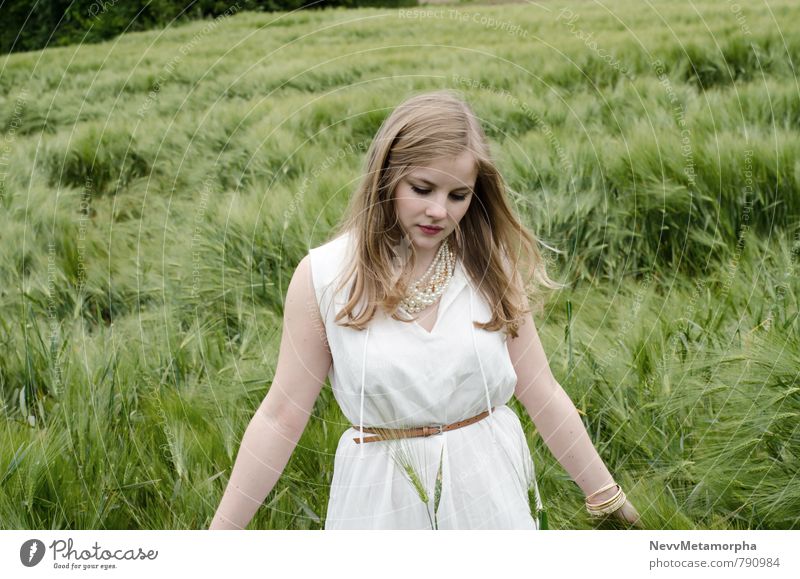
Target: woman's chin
[[426, 242]]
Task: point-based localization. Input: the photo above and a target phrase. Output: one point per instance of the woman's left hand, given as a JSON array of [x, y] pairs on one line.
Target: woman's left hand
[[627, 513]]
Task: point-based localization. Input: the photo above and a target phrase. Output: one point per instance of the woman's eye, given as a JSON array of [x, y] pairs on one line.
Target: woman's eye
[[419, 191]]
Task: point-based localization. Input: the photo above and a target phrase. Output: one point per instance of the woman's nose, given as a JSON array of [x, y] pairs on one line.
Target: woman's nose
[[436, 211]]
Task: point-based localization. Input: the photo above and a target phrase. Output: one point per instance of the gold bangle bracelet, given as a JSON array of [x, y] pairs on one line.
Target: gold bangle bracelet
[[596, 510], [605, 488], [607, 501]]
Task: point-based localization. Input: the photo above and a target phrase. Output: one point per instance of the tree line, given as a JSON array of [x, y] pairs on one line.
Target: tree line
[[33, 26]]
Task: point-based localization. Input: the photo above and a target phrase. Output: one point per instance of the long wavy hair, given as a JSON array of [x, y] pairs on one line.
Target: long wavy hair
[[500, 256]]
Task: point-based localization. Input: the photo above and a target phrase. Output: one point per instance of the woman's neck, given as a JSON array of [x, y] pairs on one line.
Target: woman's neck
[[424, 261]]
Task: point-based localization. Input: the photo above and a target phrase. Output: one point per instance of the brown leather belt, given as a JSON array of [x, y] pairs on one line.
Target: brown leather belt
[[393, 433]]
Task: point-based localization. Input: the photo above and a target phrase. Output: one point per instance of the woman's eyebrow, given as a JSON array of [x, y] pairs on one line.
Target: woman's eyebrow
[[434, 184]]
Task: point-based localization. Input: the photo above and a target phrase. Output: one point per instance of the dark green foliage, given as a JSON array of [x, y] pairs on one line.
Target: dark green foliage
[[62, 22]]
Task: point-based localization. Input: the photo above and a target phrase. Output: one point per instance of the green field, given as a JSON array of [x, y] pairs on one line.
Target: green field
[[157, 191]]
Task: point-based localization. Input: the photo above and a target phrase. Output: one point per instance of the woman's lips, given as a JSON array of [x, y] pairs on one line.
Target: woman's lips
[[429, 230]]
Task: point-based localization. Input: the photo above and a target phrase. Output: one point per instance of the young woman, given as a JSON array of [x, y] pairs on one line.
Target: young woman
[[417, 311]]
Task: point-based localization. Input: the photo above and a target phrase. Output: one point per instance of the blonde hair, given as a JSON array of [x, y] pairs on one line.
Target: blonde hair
[[494, 247]]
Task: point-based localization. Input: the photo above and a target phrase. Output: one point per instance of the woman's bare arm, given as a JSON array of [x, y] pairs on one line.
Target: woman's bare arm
[[304, 360], [557, 419], [554, 413]]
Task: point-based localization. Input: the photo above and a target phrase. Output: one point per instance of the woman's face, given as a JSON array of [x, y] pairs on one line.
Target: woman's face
[[437, 195]]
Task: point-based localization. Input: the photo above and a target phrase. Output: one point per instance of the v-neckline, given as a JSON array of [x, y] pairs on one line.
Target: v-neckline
[[435, 322]]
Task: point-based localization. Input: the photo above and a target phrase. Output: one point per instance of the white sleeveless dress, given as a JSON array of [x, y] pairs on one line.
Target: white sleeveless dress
[[398, 375]]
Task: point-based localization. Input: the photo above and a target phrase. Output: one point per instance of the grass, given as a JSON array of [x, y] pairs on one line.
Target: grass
[[148, 237]]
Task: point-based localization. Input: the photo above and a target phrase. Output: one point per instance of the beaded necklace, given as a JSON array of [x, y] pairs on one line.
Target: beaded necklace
[[427, 289]]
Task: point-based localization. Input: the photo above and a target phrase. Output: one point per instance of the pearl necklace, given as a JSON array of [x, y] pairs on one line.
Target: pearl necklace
[[427, 289]]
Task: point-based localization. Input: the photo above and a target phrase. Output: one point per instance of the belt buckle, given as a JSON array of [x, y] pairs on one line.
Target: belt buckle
[[432, 430]]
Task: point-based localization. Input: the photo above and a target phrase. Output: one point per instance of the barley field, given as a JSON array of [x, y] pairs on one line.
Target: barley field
[[157, 191]]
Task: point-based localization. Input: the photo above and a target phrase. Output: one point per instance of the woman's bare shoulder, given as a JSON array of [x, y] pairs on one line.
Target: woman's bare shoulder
[[301, 309], [301, 286]]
